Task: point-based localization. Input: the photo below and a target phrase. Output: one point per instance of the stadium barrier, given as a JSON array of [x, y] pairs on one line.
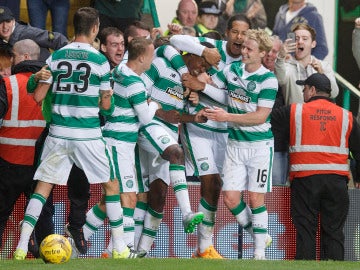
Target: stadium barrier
[[173, 242]]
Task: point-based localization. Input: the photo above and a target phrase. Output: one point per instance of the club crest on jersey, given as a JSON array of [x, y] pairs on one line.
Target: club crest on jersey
[[239, 96], [176, 92], [251, 86]]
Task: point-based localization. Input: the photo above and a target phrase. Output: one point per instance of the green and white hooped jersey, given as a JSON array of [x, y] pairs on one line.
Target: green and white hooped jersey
[[79, 73], [247, 91], [163, 83], [206, 101], [173, 56], [129, 91]]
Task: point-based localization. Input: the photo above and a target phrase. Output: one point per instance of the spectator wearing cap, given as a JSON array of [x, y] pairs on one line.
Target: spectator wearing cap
[[320, 136], [208, 18], [12, 31], [14, 6]]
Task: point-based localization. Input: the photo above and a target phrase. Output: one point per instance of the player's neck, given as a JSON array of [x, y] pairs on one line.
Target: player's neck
[[83, 39], [252, 67], [134, 66]]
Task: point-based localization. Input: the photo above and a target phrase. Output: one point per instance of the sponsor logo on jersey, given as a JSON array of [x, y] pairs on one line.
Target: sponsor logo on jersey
[[239, 97], [176, 92]]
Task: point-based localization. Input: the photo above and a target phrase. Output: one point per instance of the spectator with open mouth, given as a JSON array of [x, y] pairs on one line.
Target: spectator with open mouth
[[296, 62]]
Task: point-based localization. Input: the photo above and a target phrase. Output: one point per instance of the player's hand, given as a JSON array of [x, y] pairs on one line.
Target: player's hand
[[107, 93], [43, 74], [171, 116], [205, 78], [155, 32], [186, 92], [212, 56], [216, 114], [194, 98], [200, 117], [192, 82]]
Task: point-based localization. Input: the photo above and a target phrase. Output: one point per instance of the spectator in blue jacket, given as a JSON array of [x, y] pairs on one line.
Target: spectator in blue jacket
[[299, 11]]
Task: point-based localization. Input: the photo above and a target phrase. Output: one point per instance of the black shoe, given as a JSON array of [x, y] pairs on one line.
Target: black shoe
[[78, 236], [33, 246]]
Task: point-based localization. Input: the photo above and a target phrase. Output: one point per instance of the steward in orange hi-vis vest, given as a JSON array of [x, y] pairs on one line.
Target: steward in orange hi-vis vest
[[22, 124], [319, 135]]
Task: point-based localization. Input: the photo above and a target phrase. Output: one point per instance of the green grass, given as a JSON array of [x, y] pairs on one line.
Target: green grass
[[175, 264]]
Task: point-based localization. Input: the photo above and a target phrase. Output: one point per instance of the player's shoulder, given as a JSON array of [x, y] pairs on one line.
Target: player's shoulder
[[124, 75], [160, 61], [81, 52]]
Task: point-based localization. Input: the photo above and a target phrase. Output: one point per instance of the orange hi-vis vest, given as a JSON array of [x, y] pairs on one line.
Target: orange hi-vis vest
[[22, 124], [319, 137]]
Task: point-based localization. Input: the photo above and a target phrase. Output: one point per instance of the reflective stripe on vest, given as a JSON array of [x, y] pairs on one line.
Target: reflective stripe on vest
[[18, 137], [201, 29], [336, 156], [14, 121], [22, 142]]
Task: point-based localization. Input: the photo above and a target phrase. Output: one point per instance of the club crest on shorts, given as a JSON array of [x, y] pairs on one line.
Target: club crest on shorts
[[204, 166], [165, 140], [129, 183]]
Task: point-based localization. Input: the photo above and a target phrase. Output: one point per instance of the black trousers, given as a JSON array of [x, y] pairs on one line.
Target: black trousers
[[78, 194], [14, 181], [324, 195]]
